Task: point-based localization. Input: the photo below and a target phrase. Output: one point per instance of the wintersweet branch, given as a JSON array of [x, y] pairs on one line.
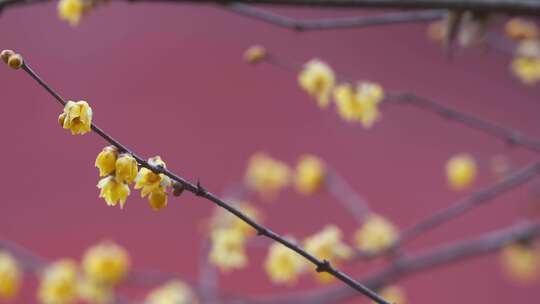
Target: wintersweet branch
[[332, 23], [412, 264], [200, 191]]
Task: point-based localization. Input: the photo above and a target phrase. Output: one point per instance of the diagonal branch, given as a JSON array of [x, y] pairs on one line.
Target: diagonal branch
[[200, 191]]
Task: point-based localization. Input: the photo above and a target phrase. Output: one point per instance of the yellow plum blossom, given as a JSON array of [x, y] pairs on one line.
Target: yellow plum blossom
[[173, 292], [10, 276], [266, 175], [113, 191], [106, 263], [126, 168], [521, 262], [283, 265], [71, 11], [360, 104], [376, 234], [59, 283], [327, 245], [95, 293], [223, 219], [460, 171], [77, 117], [310, 173], [154, 185], [393, 294], [526, 69], [106, 160], [228, 249], [518, 29], [318, 79]]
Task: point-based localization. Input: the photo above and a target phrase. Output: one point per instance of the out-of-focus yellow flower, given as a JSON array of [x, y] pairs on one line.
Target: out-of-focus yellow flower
[[436, 31], [10, 276], [106, 160], [71, 11], [393, 294], [59, 283], [460, 171], [154, 185], [318, 79], [254, 54], [174, 292], [327, 245], [360, 104], [77, 117], [283, 265], [310, 173], [113, 191], [518, 28], [106, 263], [521, 262], [92, 292], [376, 234], [526, 69], [126, 168], [228, 249], [223, 219], [267, 175]]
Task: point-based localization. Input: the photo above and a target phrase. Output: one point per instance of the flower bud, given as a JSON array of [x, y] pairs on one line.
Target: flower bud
[[254, 54], [5, 54], [15, 61]]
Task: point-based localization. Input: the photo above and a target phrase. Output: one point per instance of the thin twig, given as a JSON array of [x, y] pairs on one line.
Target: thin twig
[[332, 23], [200, 191], [343, 192]]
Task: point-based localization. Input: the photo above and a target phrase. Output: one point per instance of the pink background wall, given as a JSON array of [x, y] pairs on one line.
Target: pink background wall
[[169, 80]]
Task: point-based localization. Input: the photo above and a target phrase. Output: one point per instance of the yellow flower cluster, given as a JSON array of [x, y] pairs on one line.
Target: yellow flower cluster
[[521, 262], [10, 276], [310, 174], [229, 235], [526, 63], [103, 267], [327, 245], [173, 292], [460, 171], [283, 265], [266, 175], [119, 170], [154, 185], [358, 104], [77, 117], [376, 234]]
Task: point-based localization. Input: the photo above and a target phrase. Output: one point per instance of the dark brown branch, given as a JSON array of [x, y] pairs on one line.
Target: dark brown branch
[[199, 190], [332, 23]]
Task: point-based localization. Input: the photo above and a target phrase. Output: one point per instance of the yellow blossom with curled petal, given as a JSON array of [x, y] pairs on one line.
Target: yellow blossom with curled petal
[[106, 263], [376, 234], [318, 79], [59, 283], [267, 175], [106, 160], [283, 265], [518, 28], [360, 104], [77, 117], [71, 11], [521, 261], [126, 168], [310, 174], [223, 219], [158, 198], [154, 185], [10, 276], [92, 292], [228, 250], [113, 191], [460, 171], [173, 292], [393, 294]]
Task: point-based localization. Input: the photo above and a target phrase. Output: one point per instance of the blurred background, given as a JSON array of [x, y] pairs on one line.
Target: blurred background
[[169, 80]]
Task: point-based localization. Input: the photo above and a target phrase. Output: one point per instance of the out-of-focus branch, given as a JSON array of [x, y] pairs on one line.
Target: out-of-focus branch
[[408, 265], [198, 190], [345, 195], [332, 23]]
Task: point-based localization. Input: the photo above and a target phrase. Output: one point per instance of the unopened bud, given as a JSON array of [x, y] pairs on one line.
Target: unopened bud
[[178, 189], [15, 61], [254, 54], [6, 54]]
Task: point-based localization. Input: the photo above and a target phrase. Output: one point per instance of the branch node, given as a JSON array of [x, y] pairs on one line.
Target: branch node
[[200, 189], [324, 266], [262, 231]]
